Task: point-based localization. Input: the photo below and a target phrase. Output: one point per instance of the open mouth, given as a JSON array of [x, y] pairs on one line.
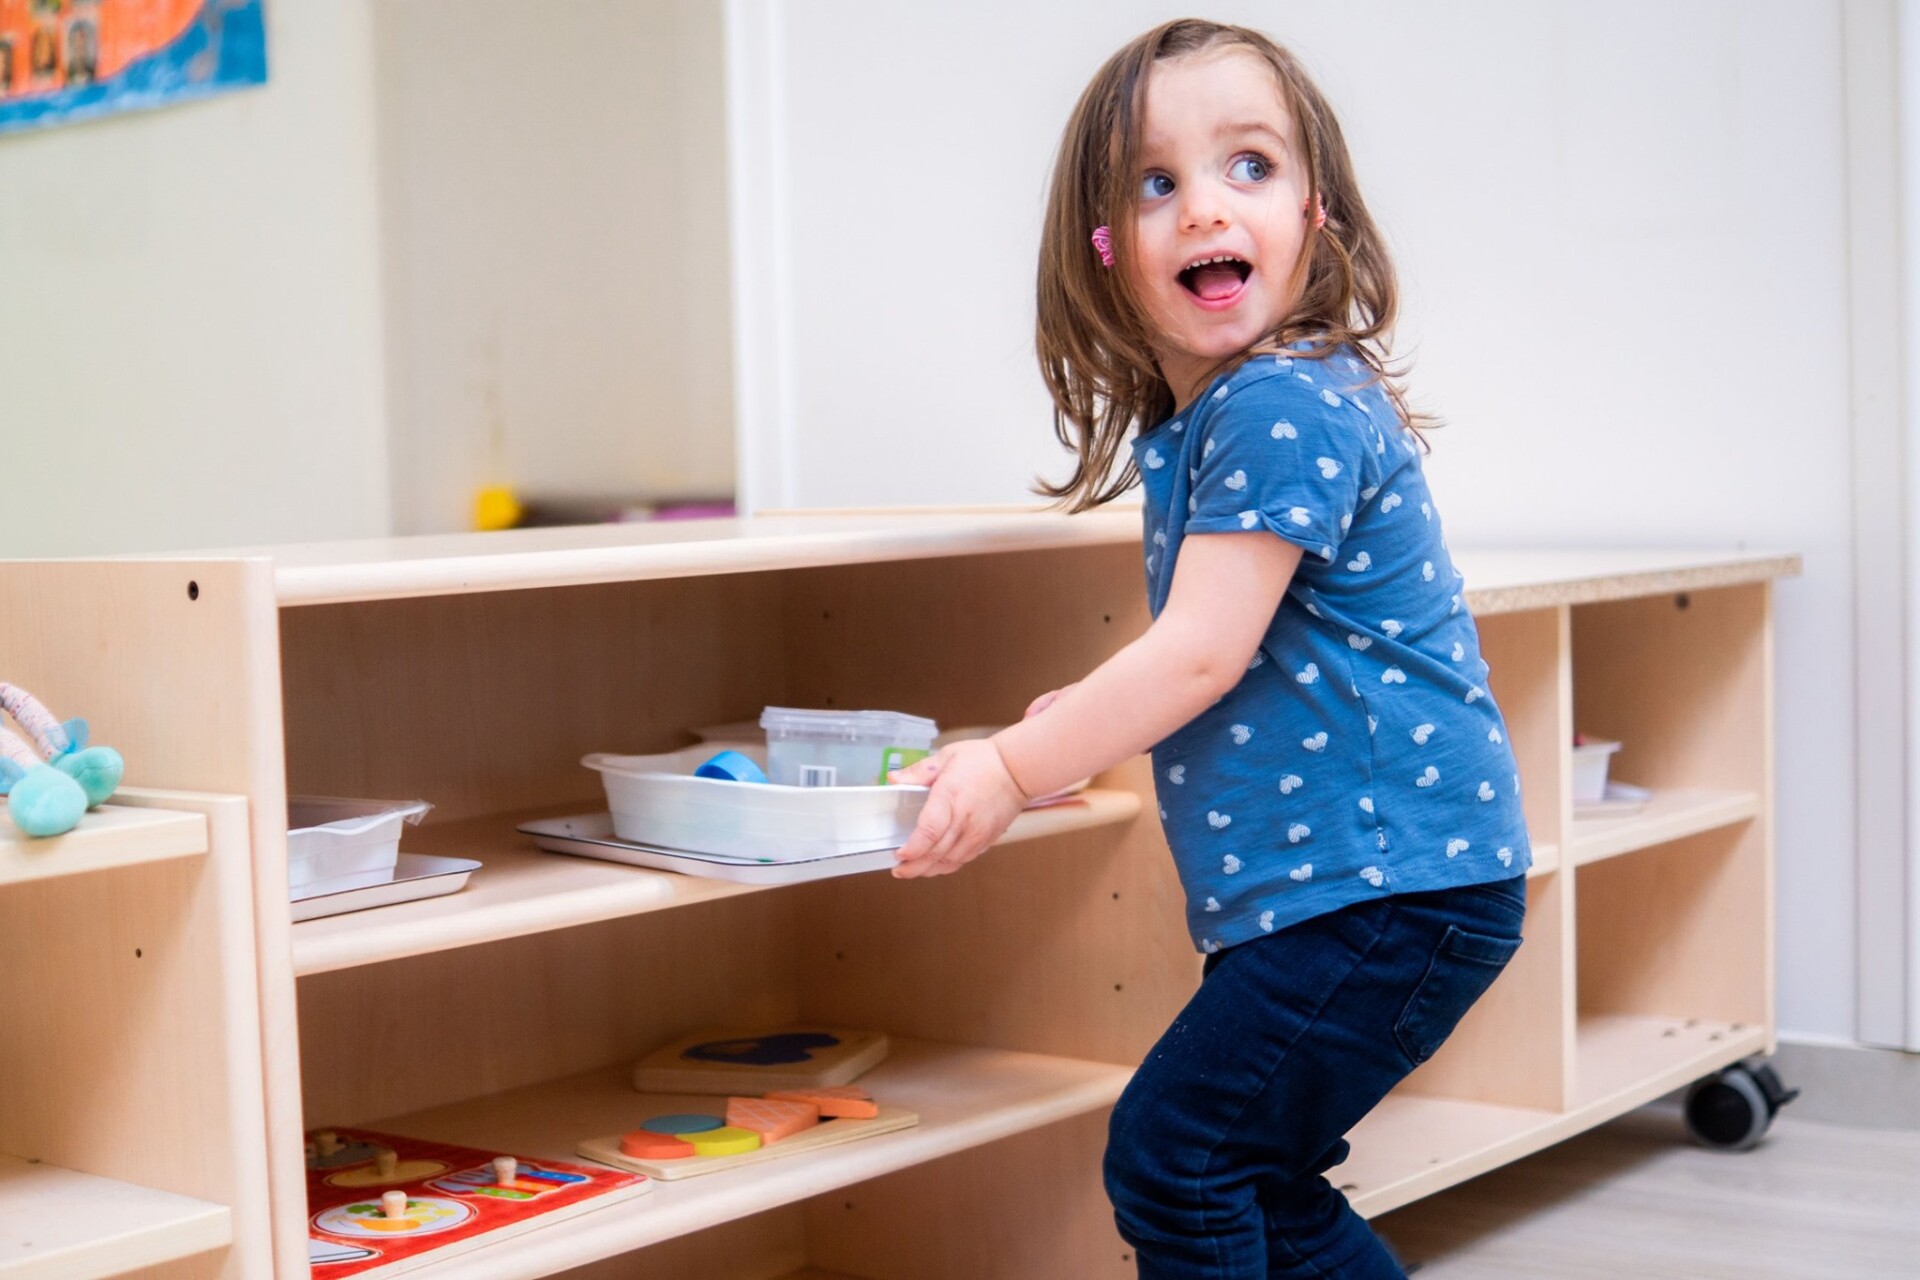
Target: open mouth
[[1215, 279]]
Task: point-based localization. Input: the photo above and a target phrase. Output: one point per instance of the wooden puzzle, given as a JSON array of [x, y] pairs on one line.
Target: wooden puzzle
[[758, 1062], [687, 1135], [379, 1204]]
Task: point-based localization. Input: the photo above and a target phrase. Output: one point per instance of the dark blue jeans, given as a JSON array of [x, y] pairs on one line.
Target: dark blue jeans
[[1216, 1149]]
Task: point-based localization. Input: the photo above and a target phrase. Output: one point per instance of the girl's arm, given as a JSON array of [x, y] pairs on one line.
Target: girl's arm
[[1226, 588]]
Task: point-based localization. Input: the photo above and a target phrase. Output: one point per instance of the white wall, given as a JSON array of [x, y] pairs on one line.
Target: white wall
[[555, 216], [1621, 232], [190, 339]]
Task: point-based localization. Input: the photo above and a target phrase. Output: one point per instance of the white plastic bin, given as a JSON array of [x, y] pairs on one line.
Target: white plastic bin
[[836, 748], [345, 844], [1590, 761], [656, 801]]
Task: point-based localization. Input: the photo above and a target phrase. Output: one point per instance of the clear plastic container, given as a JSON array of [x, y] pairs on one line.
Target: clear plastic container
[[842, 748], [344, 844], [1590, 761], [656, 801]]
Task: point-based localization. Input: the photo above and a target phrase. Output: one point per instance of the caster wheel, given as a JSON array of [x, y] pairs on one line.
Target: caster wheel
[[1732, 1110]]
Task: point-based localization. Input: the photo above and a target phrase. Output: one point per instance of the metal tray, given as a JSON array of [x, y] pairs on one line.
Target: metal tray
[[415, 875], [590, 835]]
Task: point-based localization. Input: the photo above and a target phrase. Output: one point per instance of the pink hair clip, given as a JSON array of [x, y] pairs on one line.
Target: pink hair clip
[[1103, 242]]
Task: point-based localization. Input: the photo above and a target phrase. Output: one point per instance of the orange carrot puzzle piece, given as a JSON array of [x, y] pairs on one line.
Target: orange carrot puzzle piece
[[840, 1101], [772, 1118]]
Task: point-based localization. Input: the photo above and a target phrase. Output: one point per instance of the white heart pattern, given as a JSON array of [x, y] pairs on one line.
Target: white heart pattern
[[1259, 656], [1373, 876], [1303, 872], [1304, 377], [1217, 820], [1237, 481], [1309, 674], [1393, 675], [1154, 460], [1456, 847], [1230, 864], [1159, 537], [1221, 394], [1329, 397], [1392, 628], [1285, 431], [1177, 427], [1373, 724], [1506, 857], [1266, 921], [1476, 693], [1209, 945], [1421, 732], [1366, 494], [1240, 734], [1426, 509], [1486, 791], [1459, 651], [1290, 783], [1206, 450], [1213, 904], [1360, 563], [1248, 519], [1366, 804], [1426, 571], [1297, 832], [1427, 779], [1177, 775], [1300, 516], [1328, 468], [1193, 505], [1358, 641], [1326, 553], [1493, 735], [1389, 502], [1318, 742], [1346, 523]]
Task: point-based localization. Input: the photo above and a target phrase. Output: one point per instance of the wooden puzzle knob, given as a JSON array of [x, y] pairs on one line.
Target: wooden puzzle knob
[[326, 1141], [384, 1161], [505, 1169], [393, 1203]]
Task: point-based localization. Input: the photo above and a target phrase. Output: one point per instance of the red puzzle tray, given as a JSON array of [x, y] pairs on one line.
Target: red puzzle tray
[[455, 1200]]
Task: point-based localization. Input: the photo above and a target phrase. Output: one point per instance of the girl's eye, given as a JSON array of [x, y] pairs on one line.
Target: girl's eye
[[1249, 169], [1155, 185]]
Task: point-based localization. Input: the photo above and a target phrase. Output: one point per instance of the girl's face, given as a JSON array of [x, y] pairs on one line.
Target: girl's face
[[1220, 225]]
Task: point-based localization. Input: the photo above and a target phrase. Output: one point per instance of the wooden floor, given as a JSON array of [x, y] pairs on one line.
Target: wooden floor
[[1634, 1200]]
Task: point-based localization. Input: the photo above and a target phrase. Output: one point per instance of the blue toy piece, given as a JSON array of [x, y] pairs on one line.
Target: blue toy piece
[[50, 784], [731, 766]]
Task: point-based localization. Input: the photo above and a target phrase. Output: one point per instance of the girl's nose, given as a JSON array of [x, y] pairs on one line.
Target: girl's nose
[[1201, 206]]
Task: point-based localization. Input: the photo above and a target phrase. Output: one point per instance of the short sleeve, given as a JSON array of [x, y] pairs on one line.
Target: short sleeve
[[1286, 455]]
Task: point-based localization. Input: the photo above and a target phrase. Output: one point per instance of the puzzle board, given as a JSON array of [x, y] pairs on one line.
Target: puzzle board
[[454, 1202], [827, 1133], [755, 1062]]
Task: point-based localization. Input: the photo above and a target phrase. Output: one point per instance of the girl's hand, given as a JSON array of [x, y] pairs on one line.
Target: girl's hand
[[1044, 701], [973, 799]]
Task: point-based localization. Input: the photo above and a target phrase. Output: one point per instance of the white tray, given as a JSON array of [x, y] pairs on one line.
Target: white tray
[[590, 835], [415, 875]]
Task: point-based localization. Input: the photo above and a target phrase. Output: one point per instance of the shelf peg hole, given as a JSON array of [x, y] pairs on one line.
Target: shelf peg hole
[[1116, 986], [137, 953], [1683, 601], [193, 591]]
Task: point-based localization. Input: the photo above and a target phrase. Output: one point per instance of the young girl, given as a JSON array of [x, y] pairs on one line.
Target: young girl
[[1334, 779]]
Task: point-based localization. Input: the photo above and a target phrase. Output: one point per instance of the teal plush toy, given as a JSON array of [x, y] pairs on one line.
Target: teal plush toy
[[49, 785]]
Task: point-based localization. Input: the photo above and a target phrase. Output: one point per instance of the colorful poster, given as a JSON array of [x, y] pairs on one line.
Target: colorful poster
[[64, 60]]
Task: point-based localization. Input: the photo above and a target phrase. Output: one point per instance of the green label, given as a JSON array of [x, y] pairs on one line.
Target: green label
[[892, 758]]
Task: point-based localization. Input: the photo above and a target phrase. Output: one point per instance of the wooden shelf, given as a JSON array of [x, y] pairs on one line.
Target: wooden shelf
[[1413, 1145], [56, 1224], [1670, 815], [522, 889], [964, 1096], [1622, 1060], [110, 836]]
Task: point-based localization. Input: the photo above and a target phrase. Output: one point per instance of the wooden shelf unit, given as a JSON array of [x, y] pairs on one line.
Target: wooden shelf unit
[[130, 1043], [475, 671]]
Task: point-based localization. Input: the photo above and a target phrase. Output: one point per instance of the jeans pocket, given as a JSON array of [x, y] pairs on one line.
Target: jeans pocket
[[1463, 966]]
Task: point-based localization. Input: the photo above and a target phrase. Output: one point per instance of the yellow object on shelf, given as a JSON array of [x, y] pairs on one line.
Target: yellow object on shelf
[[496, 507]]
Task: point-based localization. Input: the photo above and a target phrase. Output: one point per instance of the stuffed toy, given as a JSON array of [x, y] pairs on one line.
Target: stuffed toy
[[50, 784]]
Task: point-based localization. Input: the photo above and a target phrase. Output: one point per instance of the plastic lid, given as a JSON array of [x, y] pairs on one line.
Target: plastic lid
[[848, 723]]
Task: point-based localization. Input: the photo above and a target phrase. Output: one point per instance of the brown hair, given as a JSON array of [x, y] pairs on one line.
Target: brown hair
[[1093, 337]]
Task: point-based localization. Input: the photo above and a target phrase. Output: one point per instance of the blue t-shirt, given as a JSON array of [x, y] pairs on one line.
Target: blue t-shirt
[[1361, 754]]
